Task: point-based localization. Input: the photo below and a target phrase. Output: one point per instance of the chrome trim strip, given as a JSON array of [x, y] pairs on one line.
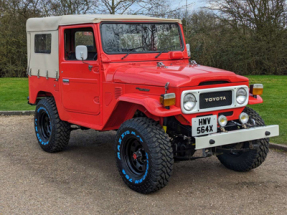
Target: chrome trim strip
[[230, 137]]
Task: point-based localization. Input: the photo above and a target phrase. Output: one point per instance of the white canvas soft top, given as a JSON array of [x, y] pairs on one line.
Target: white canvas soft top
[[52, 23]]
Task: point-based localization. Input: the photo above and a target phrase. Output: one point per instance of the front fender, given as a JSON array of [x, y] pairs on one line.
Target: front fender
[[151, 103], [253, 101]]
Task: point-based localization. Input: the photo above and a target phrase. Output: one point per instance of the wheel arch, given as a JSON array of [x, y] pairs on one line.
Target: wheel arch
[[36, 97], [125, 111], [129, 104]]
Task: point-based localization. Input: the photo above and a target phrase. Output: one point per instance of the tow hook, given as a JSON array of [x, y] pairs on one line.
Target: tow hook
[[206, 153]]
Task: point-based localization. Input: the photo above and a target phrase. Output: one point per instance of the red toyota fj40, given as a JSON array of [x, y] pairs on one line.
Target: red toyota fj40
[[132, 74]]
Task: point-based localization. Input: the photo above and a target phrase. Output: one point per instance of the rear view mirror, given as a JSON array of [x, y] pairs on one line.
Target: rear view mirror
[[81, 53], [188, 50]]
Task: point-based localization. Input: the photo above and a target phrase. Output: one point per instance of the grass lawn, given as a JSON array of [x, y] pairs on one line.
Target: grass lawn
[[274, 108], [14, 92]]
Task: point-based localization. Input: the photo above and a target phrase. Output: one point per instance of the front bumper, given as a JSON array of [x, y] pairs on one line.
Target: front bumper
[[230, 137]]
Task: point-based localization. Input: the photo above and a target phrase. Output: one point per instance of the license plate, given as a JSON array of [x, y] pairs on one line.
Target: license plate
[[204, 125]]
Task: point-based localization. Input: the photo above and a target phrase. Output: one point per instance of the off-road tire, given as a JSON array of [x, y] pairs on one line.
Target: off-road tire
[[53, 136], [250, 159], [157, 148]]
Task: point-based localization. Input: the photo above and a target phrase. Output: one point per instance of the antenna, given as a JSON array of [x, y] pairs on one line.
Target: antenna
[[186, 18]]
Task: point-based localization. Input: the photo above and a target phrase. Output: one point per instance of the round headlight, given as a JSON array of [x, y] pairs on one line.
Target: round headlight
[[241, 95], [222, 120], [189, 101], [243, 117]]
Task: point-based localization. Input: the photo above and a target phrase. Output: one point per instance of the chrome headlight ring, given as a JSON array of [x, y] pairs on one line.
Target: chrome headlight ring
[[241, 95], [189, 101]]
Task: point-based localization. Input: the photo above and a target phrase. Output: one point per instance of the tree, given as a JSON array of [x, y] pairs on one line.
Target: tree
[[147, 7], [14, 14], [262, 25], [65, 7]]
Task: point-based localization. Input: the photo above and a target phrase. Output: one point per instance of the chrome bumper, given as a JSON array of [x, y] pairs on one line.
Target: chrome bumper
[[230, 137]]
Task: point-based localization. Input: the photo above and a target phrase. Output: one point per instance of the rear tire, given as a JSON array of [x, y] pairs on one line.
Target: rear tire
[[248, 160], [144, 155], [52, 133]]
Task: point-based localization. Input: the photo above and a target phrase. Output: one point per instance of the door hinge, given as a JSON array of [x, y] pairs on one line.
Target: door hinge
[[57, 75]]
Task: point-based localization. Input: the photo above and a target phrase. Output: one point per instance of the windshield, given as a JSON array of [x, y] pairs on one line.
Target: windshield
[[140, 37]]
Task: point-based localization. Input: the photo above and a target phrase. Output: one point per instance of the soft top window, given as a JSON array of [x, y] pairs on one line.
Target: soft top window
[[43, 43]]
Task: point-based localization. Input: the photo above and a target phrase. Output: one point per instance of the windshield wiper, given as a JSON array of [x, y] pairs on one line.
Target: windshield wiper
[[130, 50], [164, 51], [125, 55], [160, 53]]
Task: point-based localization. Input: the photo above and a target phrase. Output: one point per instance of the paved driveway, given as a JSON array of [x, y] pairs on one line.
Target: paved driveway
[[84, 180]]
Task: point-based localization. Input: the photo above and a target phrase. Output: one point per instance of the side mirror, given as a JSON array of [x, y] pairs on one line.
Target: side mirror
[[188, 50], [81, 53]]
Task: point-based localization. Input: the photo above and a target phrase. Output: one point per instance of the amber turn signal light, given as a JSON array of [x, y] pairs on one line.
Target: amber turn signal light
[[167, 99], [256, 89]]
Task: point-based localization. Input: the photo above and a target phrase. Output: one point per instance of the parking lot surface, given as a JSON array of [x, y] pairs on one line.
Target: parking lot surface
[[83, 179]]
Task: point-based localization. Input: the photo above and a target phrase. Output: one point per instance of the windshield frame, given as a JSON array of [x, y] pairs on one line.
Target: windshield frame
[[142, 22]]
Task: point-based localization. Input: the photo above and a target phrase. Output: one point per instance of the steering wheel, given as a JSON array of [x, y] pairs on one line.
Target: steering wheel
[[95, 56], [70, 55]]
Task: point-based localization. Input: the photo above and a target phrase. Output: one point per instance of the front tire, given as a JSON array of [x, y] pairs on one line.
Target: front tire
[[245, 161], [144, 155], [52, 133]]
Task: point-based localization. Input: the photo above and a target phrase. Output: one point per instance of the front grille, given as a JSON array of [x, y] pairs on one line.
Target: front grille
[[215, 99]]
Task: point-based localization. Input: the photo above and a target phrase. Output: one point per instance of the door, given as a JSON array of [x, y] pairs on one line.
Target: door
[[80, 79]]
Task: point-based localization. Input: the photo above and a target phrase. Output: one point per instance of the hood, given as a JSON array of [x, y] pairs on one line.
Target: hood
[[177, 76]]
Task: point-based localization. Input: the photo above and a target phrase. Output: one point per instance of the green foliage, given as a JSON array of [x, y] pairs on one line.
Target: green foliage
[[13, 40], [244, 36], [247, 37]]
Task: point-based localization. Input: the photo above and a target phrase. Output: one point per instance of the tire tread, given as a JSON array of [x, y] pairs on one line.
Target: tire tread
[[62, 129], [160, 153]]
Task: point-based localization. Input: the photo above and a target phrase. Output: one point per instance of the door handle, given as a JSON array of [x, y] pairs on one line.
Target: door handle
[[66, 81]]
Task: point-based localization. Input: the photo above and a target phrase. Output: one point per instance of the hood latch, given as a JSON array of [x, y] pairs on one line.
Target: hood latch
[[161, 64]]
